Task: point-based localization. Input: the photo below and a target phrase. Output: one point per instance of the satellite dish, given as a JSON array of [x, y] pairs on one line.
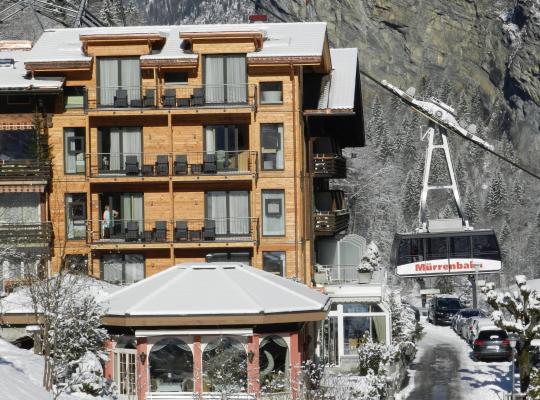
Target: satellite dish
[[472, 129], [411, 91]]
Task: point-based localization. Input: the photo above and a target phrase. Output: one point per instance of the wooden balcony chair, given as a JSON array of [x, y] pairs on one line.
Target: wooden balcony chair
[[169, 98], [149, 98], [209, 229], [197, 98], [121, 98], [162, 165], [209, 164], [132, 231], [160, 231], [132, 165], [180, 164], [181, 232]]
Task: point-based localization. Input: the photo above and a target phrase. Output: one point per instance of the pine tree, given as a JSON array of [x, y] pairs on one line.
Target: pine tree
[[507, 148], [476, 108], [462, 108], [426, 87], [495, 121], [445, 91], [411, 192], [376, 122], [471, 206], [496, 197], [517, 194], [384, 145]]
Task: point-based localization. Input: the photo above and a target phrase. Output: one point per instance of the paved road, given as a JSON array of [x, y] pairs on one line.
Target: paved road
[[444, 370]]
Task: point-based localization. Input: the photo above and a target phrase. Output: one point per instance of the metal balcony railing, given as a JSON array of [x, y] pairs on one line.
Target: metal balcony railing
[[25, 170], [166, 164], [336, 274], [171, 96], [331, 222], [27, 233], [329, 166], [179, 231]]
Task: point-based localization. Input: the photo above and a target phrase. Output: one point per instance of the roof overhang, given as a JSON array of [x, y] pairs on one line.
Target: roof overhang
[[256, 36], [284, 60], [191, 62], [108, 38], [59, 65], [330, 111], [208, 320]]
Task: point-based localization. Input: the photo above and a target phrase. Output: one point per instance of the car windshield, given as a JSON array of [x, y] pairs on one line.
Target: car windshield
[[492, 335], [448, 303], [470, 313]]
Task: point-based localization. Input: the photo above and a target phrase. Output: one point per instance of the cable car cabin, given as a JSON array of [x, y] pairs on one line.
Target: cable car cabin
[[446, 253]]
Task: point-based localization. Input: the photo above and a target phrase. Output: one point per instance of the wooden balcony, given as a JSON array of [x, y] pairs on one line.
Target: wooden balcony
[[329, 165], [190, 233], [25, 170], [170, 97], [329, 223], [194, 166], [36, 234]]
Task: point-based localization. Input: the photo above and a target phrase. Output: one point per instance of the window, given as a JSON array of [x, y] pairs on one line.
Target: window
[[20, 208], [436, 248], [460, 247], [74, 96], [171, 366], [485, 246], [115, 75], [273, 212], [175, 78], [224, 364], [124, 366], [74, 155], [227, 143], [122, 269], [273, 363], [271, 92], [230, 211], [274, 262], [76, 216], [77, 263], [17, 145], [272, 146], [225, 79], [119, 150]]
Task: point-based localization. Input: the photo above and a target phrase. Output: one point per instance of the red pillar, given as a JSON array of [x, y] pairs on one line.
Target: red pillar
[[142, 367], [296, 363], [108, 370], [253, 365], [197, 365]]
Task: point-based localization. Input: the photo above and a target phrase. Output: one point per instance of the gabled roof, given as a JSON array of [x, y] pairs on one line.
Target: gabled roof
[[280, 40], [338, 87], [214, 294], [14, 76]]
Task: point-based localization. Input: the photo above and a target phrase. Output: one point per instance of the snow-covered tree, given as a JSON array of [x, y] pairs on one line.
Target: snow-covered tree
[[445, 91], [376, 122], [86, 376], [404, 326], [517, 313], [471, 205], [371, 259], [517, 196], [496, 197], [411, 192]]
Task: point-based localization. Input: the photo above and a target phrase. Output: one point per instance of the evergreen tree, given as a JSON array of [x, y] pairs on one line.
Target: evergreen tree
[[411, 192], [471, 206], [495, 121], [517, 194], [384, 145], [496, 197], [376, 122], [445, 91], [426, 87], [507, 148], [462, 108], [476, 108]]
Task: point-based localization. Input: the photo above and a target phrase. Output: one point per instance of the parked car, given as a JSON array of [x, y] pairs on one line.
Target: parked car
[[477, 324], [442, 308], [491, 342], [462, 315], [534, 353]]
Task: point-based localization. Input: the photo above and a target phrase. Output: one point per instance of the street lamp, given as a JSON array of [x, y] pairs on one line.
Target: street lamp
[[513, 342]]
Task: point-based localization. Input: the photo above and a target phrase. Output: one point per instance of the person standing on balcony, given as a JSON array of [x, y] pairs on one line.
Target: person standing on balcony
[[107, 222]]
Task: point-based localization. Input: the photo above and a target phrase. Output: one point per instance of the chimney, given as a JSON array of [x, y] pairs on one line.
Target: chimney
[[258, 18]]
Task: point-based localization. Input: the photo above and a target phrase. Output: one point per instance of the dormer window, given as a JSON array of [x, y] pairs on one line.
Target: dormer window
[[225, 79]]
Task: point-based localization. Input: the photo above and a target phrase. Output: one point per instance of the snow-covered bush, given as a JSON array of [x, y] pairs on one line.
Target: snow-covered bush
[[405, 328], [371, 259], [87, 377], [517, 313], [375, 356], [534, 386]]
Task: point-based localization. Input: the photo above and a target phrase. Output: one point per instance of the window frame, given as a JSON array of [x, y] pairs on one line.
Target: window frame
[[68, 213], [123, 281], [67, 151], [270, 103], [172, 83], [282, 253], [81, 89], [263, 206], [282, 136]]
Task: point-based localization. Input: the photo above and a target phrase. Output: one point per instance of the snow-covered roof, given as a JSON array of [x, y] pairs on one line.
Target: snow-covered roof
[[14, 76], [280, 39], [338, 88], [203, 289]]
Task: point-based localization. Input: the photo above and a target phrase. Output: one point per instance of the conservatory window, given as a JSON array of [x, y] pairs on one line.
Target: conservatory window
[[171, 366], [273, 363], [224, 366]]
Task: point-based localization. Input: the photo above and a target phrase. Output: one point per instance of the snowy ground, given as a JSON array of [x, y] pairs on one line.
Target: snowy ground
[[445, 370]]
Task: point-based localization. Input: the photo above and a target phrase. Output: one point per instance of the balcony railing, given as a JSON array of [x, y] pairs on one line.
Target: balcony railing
[[329, 166], [336, 274], [331, 222], [166, 164], [25, 170], [179, 231], [172, 96], [27, 234]]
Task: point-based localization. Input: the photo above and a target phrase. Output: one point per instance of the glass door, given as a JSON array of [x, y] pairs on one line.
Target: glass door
[[230, 211], [125, 373], [115, 145]]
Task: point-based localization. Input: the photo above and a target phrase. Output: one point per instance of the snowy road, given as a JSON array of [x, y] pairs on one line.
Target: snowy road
[[444, 370]]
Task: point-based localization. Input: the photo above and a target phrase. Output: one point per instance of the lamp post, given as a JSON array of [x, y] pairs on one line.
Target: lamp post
[[513, 342]]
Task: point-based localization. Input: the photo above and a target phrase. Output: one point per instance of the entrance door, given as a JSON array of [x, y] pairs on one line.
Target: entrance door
[[125, 373]]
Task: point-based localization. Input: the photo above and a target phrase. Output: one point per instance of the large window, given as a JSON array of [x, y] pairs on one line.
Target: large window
[[271, 92], [122, 269], [117, 210], [230, 211], [125, 366], [273, 363], [224, 366], [19, 208], [116, 75], [225, 79], [171, 366], [119, 150], [74, 162], [273, 203], [17, 145], [272, 146], [76, 215], [274, 262], [74, 96], [226, 142]]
